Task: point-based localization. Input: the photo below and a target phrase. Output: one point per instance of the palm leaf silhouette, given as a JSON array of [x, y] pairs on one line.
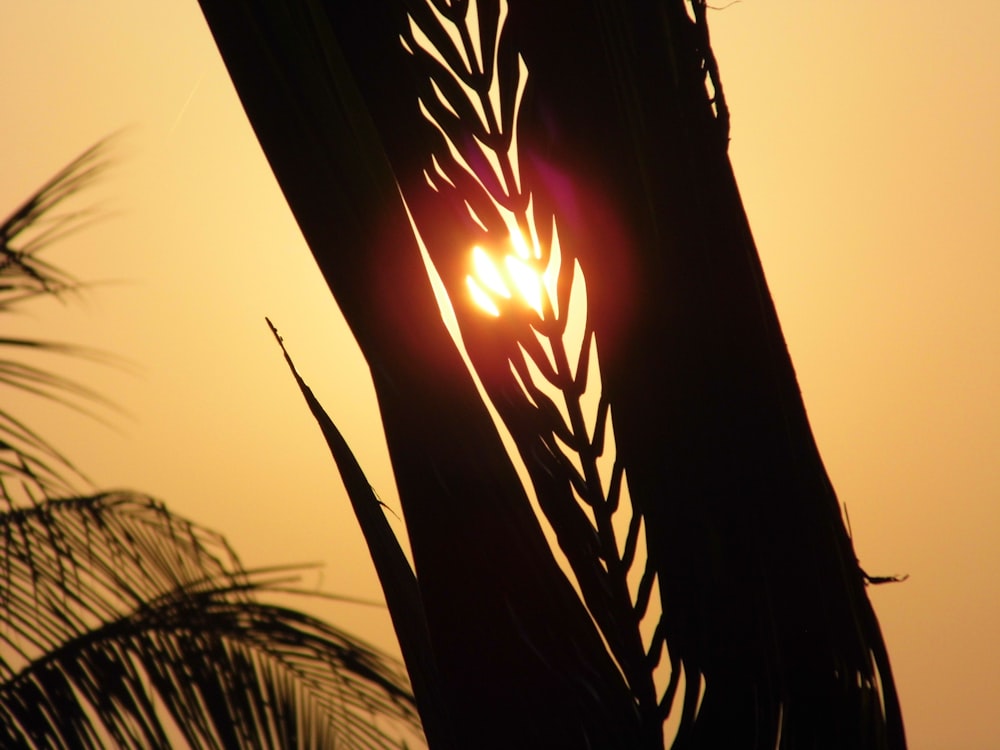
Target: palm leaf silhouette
[[468, 516], [25, 455], [124, 625], [588, 140]]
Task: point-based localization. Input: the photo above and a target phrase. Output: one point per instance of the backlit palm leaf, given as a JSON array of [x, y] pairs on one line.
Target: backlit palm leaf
[[588, 140], [539, 293], [520, 661]]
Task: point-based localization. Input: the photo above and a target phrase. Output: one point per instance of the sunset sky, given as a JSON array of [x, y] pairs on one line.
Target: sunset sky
[[866, 141]]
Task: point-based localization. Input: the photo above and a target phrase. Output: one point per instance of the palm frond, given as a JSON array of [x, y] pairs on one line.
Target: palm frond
[[615, 114], [395, 575], [537, 365], [37, 223], [123, 621], [484, 568], [26, 457]]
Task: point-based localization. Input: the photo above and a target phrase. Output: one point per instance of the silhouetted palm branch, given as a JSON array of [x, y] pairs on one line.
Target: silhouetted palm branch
[[550, 347], [124, 623], [25, 455], [590, 139], [38, 223]]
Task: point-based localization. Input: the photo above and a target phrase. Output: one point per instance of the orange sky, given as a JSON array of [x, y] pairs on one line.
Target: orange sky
[[865, 141]]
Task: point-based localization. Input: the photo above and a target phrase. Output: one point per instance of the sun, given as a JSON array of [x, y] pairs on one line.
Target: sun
[[489, 282]]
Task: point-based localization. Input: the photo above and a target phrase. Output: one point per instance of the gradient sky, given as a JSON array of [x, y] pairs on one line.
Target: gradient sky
[[866, 141]]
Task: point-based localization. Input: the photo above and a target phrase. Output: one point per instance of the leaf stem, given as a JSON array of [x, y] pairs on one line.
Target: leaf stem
[[633, 661]]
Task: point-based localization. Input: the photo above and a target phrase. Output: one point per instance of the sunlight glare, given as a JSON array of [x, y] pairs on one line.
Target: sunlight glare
[[488, 273], [520, 246], [527, 281], [481, 298], [518, 274]]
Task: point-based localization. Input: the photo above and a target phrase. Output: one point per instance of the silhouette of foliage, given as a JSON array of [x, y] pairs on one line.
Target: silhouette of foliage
[[122, 624], [588, 142], [24, 276]]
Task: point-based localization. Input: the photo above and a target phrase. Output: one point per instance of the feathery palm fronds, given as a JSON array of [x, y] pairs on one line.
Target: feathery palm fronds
[[519, 659], [36, 224], [588, 141], [26, 456], [122, 622], [538, 366]]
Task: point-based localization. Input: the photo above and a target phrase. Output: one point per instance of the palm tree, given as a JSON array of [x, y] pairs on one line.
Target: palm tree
[[122, 624], [702, 589]]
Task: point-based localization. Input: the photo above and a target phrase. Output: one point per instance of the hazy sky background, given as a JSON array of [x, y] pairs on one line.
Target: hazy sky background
[[866, 141]]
